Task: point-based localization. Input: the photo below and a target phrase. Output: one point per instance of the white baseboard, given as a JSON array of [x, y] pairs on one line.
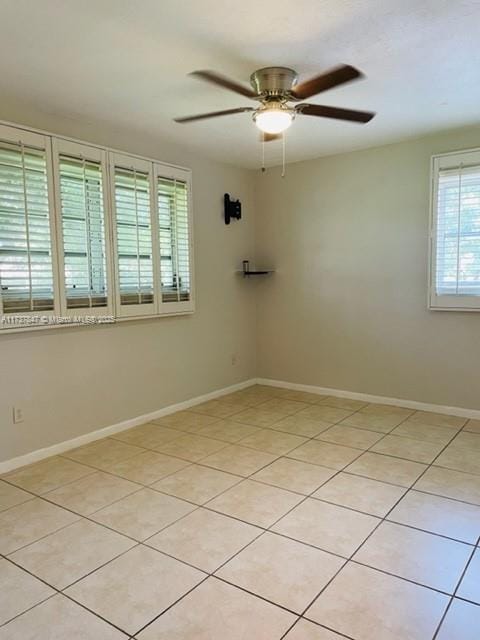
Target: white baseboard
[[40, 454], [366, 397], [55, 449]]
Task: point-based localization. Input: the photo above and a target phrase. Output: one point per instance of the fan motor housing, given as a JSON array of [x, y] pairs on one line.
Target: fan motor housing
[[273, 81]]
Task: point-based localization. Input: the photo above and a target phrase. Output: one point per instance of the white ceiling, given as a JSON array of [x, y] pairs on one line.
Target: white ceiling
[[126, 62]]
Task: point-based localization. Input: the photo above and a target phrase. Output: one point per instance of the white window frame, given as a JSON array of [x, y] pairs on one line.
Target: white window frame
[[53, 145], [32, 139], [82, 151], [440, 162], [140, 164], [184, 175]]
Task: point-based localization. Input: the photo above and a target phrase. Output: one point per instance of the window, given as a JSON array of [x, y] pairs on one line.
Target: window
[[26, 264], [80, 173], [133, 235], [85, 231], [173, 193], [455, 255], [152, 229]]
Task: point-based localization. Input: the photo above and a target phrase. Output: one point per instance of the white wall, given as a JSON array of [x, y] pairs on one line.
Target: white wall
[[347, 307], [74, 380]]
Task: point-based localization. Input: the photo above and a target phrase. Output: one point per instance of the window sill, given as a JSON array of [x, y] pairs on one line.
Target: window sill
[[458, 302], [468, 309], [67, 325]]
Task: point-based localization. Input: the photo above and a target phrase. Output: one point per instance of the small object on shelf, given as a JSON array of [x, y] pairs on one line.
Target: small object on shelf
[[233, 209], [253, 272]]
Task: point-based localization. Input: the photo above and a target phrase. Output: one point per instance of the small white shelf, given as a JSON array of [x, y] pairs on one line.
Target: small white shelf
[[248, 271], [256, 272]]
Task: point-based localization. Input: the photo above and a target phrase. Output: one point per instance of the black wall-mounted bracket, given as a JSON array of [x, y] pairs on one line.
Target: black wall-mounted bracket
[[233, 209]]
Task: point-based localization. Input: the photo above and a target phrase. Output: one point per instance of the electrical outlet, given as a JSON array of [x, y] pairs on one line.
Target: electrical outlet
[[17, 415]]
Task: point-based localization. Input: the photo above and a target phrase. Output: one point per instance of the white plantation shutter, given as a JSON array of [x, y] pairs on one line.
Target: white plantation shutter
[[26, 258], [456, 232], [174, 228], [86, 231], [80, 173], [132, 194]]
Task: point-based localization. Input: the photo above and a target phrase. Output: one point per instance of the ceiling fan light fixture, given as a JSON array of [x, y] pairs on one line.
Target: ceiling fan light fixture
[[275, 88], [273, 120]]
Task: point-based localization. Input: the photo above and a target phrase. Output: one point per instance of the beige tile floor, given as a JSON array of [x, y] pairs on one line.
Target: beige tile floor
[[265, 514]]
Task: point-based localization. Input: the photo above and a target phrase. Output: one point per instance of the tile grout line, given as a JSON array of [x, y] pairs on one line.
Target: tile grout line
[[57, 593], [237, 443], [350, 559], [262, 532], [378, 525], [284, 515], [229, 559], [347, 560], [211, 574], [452, 597], [37, 604], [242, 478], [198, 462], [92, 470], [171, 605], [339, 471], [137, 543]]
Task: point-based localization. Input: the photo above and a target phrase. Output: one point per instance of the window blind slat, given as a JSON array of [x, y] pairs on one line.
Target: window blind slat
[[458, 232], [26, 268], [83, 225], [67, 263], [174, 240], [134, 236]]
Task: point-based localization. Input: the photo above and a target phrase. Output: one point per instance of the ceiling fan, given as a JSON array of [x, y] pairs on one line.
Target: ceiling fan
[[275, 88]]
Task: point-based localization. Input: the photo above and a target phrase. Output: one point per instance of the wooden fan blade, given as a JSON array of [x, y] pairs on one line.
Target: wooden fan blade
[[222, 81], [340, 75], [335, 112], [269, 137], [213, 114]]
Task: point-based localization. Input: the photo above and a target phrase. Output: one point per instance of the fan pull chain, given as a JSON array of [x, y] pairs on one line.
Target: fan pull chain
[[263, 153], [283, 154]]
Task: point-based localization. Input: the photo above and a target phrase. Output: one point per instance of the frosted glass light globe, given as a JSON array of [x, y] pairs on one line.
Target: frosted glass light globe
[[273, 120]]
